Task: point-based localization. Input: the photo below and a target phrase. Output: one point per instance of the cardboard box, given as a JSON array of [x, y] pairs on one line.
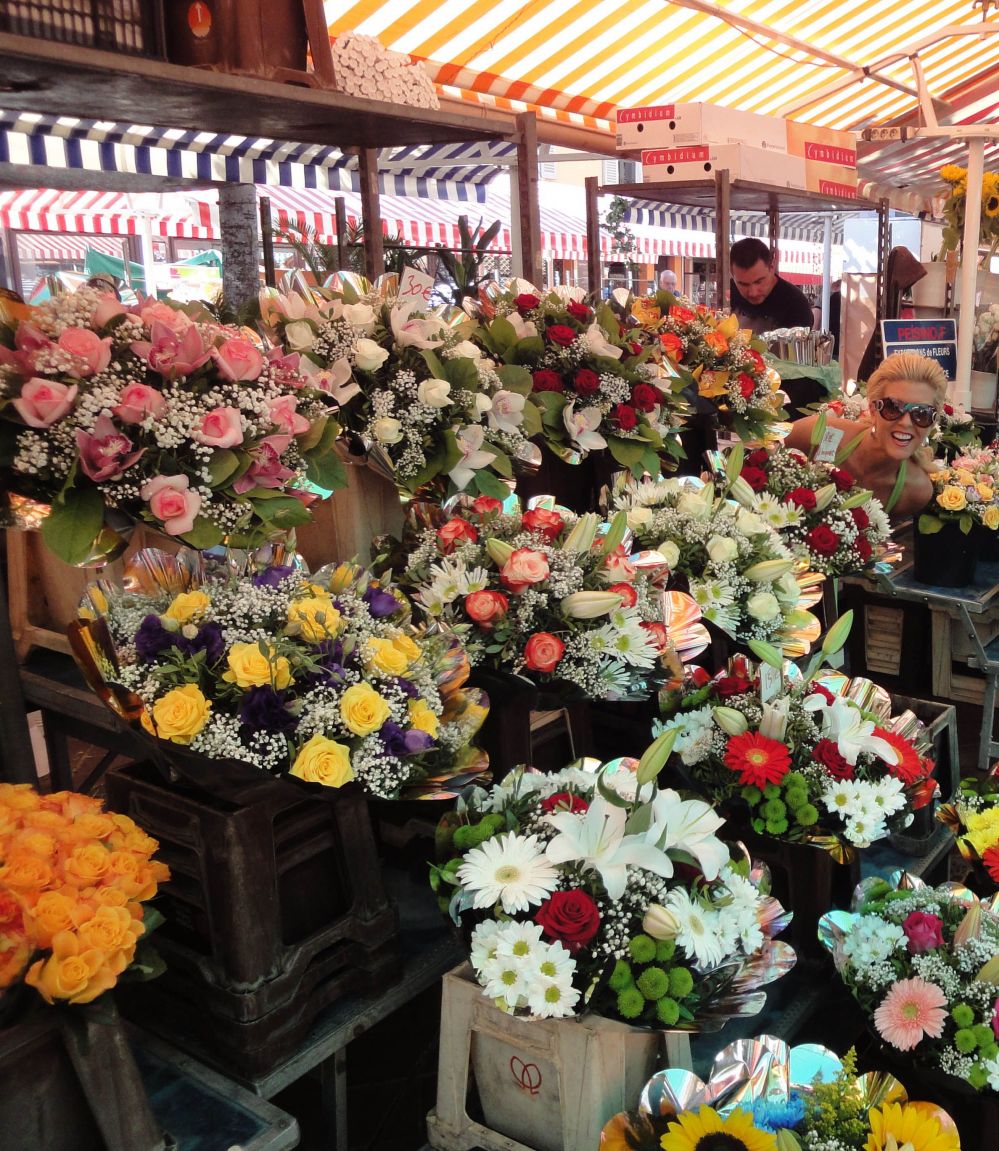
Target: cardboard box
[[678, 125], [701, 161]]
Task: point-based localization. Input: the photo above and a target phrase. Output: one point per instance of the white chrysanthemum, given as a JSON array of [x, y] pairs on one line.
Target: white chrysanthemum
[[882, 797], [840, 797], [864, 830], [484, 942], [872, 940], [504, 978], [553, 996], [520, 941], [698, 933], [510, 869]]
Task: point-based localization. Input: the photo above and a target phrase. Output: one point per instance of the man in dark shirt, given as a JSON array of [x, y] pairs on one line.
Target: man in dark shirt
[[760, 298]]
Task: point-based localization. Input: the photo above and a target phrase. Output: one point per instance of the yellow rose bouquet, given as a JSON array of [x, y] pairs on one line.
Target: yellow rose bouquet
[[320, 677], [73, 879], [966, 493]]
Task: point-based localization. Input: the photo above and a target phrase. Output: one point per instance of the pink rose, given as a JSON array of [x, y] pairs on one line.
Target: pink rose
[[238, 360], [618, 568], [543, 651], [107, 453], [266, 471], [170, 354], [30, 339], [106, 310], [523, 568], [923, 931], [284, 416], [156, 312], [138, 402], [42, 402], [220, 428], [172, 503], [90, 353]]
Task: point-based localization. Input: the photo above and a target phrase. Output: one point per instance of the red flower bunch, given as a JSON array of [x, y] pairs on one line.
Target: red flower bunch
[[758, 759]]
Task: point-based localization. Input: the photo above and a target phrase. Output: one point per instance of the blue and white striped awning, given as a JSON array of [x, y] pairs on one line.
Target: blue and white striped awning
[[807, 226]]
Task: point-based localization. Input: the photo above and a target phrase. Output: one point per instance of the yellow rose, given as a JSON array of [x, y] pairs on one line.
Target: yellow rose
[[180, 714], [362, 709], [942, 476], [384, 656], [422, 718], [408, 648], [990, 517], [324, 761], [985, 491], [964, 478], [250, 667], [315, 618], [343, 576], [188, 606], [952, 499]]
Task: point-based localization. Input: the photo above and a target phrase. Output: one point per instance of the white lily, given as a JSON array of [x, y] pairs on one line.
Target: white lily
[[844, 724], [597, 841], [582, 427], [595, 341], [688, 825], [473, 457], [414, 331]]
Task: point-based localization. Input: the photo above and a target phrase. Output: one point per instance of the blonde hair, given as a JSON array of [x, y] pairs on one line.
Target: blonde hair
[[910, 368]]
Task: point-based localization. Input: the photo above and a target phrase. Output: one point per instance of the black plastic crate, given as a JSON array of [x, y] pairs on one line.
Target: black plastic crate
[[131, 26]]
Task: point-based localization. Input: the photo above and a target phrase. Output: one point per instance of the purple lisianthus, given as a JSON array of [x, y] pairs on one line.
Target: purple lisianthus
[[264, 709], [152, 638], [407, 686], [209, 640], [380, 603], [272, 577], [403, 743]]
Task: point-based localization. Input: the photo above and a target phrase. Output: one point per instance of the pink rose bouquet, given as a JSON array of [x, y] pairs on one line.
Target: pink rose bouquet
[[158, 414]]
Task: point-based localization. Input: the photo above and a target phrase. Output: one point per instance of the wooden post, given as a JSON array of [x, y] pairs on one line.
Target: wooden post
[[593, 235], [238, 227], [773, 223], [340, 208], [374, 251], [267, 238], [722, 204], [527, 189]]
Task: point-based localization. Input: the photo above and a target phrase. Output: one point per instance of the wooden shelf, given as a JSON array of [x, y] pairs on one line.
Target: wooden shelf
[[743, 196], [66, 80]]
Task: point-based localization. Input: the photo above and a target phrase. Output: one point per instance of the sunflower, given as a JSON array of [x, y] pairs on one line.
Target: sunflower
[[952, 173], [900, 1126], [706, 1130]]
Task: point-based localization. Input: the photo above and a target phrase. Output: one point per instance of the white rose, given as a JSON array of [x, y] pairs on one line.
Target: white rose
[[721, 549], [434, 393], [525, 329], [360, 317], [694, 504], [299, 335], [787, 588], [763, 606], [369, 356], [670, 552], [750, 523], [639, 518], [387, 430], [507, 412], [467, 349], [482, 403]]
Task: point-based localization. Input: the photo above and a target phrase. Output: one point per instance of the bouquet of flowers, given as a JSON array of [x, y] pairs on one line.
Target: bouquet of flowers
[[596, 388], [322, 676], [737, 569], [73, 879], [985, 341], [157, 414], [602, 891], [541, 592], [816, 508], [923, 963], [432, 411], [819, 761], [965, 493], [848, 405], [955, 432], [711, 355], [764, 1096], [954, 205], [973, 816]]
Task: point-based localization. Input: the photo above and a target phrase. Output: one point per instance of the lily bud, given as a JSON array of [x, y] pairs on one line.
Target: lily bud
[[857, 498], [590, 604], [660, 923], [731, 722], [824, 497], [742, 492], [768, 570], [498, 551], [970, 926], [773, 725], [584, 531], [838, 634], [655, 756]]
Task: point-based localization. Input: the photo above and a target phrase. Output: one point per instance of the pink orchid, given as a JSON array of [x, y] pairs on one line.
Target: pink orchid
[[286, 369], [266, 471], [106, 453], [170, 354], [30, 339]]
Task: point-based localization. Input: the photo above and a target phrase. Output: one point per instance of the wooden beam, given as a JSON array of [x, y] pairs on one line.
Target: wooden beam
[[722, 207], [593, 235], [374, 251], [527, 196], [340, 208]]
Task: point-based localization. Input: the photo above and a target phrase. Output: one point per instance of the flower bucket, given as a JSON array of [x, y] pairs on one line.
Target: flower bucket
[[947, 558], [983, 390]]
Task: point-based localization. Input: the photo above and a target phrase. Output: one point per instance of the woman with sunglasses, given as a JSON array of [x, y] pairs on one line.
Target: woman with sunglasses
[[904, 395]]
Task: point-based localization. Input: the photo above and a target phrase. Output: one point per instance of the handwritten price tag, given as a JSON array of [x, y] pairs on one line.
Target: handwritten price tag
[[771, 683], [829, 446], [415, 287]]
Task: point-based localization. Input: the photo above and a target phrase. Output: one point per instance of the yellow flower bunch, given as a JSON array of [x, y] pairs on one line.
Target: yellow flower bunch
[[966, 492], [72, 881], [954, 208]]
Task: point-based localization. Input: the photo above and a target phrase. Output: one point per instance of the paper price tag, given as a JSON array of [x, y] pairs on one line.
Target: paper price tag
[[415, 287], [771, 683], [829, 446]]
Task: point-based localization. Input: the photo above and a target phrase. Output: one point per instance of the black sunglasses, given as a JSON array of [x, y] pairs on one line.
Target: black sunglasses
[[922, 415]]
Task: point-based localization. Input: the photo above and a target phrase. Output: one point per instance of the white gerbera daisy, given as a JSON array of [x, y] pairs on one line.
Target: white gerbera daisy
[[511, 869], [697, 934], [555, 962]]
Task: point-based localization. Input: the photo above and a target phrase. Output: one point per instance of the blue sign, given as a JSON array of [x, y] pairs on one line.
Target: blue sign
[[936, 339], [944, 354]]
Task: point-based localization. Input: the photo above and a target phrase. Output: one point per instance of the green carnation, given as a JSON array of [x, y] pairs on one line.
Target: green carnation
[[465, 837], [794, 779], [962, 1015], [978, 1077], [621, 976], [776, 826], [667, 1011], [807, 815], [630, 1003], [681, 982], [773, 809], [642, 948], [983, 1034], [653, 982], [772, 791], [964, 1041], [752, 795], [795, 797], [665, 950]]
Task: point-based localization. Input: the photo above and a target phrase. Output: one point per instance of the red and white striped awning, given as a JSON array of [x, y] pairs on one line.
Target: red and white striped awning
[[65, 248], [102, 213]]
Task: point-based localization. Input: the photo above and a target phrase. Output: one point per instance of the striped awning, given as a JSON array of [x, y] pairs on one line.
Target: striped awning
[[64, 248], [103, 213]]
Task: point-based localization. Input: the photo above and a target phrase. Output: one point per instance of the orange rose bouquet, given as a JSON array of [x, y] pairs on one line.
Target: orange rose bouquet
[[73, 881]]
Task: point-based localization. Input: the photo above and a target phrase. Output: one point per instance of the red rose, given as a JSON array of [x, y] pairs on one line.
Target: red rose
[[822, 540], [758, 458], [629, 597], [863, 548], [486, 607], [561, 335], [672, 345], [755, 477], [579, 311], [658, 634], [570, 917], [827, 754], [644, 397], [860, 518], [635, 349], [564, 801], [627, 418], [586, 382], [547, 381], [454, 532], [803, 498], [948, 409], [843, 480], [683, 315], [747, 385], [525, 302], [821, 689], [486, 506], [544, 523], [699, 677], [543, 651], [923, 932], [758, 362], [731, 685]]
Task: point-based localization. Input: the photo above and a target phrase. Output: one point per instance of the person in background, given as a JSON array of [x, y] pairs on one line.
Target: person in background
[[667, 281], [905, 396], [760, 298]]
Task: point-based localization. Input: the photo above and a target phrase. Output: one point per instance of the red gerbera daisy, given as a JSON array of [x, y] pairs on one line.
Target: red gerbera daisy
[[990, 860], [757, 759], [911, 766]]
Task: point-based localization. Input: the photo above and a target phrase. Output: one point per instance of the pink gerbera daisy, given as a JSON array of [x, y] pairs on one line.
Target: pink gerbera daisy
[[912, 1009]]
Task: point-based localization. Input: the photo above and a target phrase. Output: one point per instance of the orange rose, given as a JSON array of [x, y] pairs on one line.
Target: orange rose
[[110, 930], [70, 973], [88, 863], [19, 796], [33, 841], [54, 912], [114, 897], [25, 872], [45, 821], [716, 342], [91, 825]]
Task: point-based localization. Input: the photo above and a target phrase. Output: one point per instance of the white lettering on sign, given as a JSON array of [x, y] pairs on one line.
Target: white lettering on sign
[[675, 155], [771, 683], [651, 112]]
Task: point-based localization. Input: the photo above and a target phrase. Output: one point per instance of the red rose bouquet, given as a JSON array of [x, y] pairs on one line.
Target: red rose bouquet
[[604, 892]]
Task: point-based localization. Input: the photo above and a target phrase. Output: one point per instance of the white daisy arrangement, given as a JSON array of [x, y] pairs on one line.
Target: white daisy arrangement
[[322, 677], [572, 883], [817, 509], [735, 566], [543, 593], [157, 413], [432, 411]]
